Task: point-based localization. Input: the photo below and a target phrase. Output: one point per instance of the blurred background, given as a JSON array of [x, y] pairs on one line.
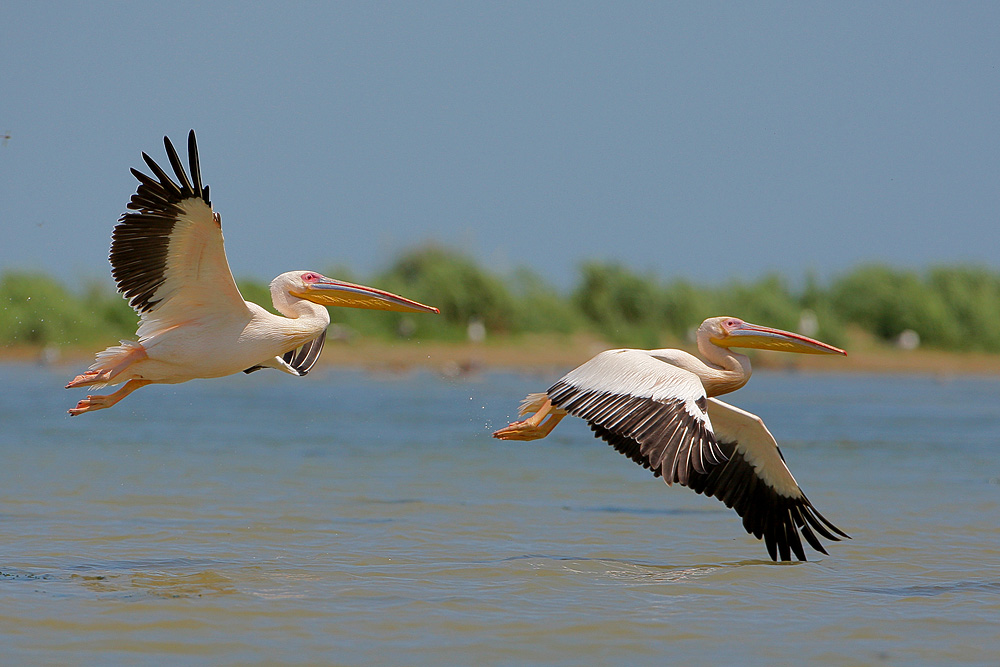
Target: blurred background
[[558, 178], [547, 169]]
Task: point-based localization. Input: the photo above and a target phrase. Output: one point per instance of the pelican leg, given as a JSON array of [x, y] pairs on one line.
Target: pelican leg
[[90, 377], [123, 358], [92, 403], [535, 427]]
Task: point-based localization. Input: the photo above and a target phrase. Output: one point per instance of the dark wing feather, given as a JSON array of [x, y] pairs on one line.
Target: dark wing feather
[[637, 397], [757, 484], [302, 358], [168, 247], [766, 515], [657, 416]]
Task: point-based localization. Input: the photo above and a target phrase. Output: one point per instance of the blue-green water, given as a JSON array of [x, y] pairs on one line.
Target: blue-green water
[[348, 518]]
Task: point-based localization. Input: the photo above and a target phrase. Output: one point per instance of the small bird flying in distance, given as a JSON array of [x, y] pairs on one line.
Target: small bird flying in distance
[[658, 408], [169, 261]]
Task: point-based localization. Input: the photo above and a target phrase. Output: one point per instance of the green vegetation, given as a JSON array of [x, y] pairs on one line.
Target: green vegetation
[[950, 308]]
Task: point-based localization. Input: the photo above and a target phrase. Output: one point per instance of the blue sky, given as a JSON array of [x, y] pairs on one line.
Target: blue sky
[[709, 141]]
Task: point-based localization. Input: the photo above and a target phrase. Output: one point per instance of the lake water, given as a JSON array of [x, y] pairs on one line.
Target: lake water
[[351, 518]]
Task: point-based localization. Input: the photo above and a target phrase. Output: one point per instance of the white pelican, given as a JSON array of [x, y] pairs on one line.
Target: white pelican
[[169, 261], [657, 408]]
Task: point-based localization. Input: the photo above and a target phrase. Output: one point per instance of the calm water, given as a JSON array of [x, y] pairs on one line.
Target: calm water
[[349, 518]]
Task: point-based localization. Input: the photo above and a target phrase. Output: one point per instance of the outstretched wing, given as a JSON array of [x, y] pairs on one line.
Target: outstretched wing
[[304, 358], [300, 360], [649, 410], [658, 415], [167, 253], [757, 484]]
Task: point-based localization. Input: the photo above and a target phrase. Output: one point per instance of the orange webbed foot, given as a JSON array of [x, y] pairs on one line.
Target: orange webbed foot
[[535, 427], [88, 404], [92, 403], [522, 430], [90, 377]]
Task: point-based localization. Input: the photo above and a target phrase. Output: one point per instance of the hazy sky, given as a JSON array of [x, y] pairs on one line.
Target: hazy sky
[[701, 140]]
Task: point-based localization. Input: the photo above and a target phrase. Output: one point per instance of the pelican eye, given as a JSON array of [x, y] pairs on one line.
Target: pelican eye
[[311, 277]]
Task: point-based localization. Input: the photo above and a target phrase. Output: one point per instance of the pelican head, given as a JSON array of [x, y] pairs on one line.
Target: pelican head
[[733, 332], [325, 291]]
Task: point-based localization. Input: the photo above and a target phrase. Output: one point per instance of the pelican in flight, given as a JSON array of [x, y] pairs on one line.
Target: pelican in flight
[[658, 408], [169, 262]]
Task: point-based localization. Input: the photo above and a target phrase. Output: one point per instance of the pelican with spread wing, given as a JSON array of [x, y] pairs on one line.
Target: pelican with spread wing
[[169, 262], [658, 407]]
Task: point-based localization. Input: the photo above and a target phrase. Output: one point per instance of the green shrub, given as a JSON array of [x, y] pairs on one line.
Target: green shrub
[[971, 296], [955, 308], [886, 302], [623, 306], [539, 308], [457, 286], [36, 310]]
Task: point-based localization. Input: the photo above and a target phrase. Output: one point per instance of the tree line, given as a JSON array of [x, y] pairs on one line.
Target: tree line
[[949, 307]]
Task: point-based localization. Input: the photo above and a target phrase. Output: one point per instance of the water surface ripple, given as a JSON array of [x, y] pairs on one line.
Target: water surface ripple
[[348, 518]]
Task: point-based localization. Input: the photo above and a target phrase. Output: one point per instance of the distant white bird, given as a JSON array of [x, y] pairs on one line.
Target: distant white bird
[[656, 407], [168, 259]]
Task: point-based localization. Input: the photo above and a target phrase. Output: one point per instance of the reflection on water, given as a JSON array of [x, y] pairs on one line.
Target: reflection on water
[[675, 511], [167, 584], [347, 518], [937, 589]]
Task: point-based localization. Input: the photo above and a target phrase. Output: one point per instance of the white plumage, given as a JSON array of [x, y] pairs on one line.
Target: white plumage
[[657, 408], [168, 259]]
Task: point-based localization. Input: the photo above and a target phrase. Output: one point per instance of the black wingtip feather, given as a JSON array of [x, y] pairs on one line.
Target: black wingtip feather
[[821, 525], [140, 241], [781, 522], [175, 163], [772, 547], [195, 164], [641, 435], [163, 179]]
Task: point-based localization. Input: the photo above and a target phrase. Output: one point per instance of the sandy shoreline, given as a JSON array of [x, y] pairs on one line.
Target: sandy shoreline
[[552, 355], [548, 356]]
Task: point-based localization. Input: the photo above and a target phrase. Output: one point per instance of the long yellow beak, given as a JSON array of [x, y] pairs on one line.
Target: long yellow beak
[[766, 338], [330, 292]]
